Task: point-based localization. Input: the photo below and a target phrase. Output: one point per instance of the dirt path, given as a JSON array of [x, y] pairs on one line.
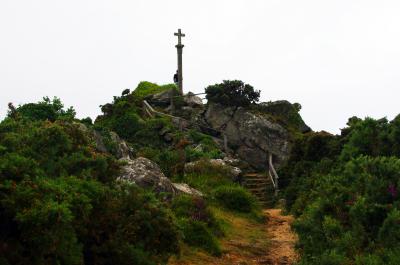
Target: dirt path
[[251, 243], [282, 240]]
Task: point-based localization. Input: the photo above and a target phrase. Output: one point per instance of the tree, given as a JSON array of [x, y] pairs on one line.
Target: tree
[[232, 93]]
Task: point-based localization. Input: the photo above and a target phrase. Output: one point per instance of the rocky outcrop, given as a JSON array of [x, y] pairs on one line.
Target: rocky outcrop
[[232, 171], [186, 189], [252, 135], [287, 112], [193, 101], [122, 149], [163, 98], [116, 146], [147, 174]]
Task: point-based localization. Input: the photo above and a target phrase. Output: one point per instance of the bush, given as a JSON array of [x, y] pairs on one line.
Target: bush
[[145, 89], [197, 234], [44, 110], [198, 224], [59, 203], [232, 93], [235, 198], [196, 209], [206, 176]]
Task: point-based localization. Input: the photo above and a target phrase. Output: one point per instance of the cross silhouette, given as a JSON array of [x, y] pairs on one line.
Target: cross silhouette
[[180, 35], [179, 48]]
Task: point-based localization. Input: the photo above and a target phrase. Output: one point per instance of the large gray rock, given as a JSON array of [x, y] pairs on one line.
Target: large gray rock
[[232, 171], [252, 135], [186, 189], [287, 112], [163, 98], [120, 148], [147, 174], [193, 101]]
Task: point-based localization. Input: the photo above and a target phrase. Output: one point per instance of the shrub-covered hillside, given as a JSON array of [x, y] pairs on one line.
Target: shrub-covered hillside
[[345, 192], [62, 200], [59, 203]]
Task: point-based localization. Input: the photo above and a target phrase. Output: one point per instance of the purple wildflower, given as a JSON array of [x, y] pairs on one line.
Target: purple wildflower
[[392, 190]]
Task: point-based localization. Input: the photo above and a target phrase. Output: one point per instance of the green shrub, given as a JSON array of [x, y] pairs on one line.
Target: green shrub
[[232, 93], [59, 203], [196, 209], [170, 161], [196, 233], [146, 88], [206, 176], [235, 198], [44, 110]]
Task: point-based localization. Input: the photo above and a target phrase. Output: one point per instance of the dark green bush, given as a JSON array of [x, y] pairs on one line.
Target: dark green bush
[[197, 234], [44, 110], [232, 93], [196, 209], [59, 203], [235, 198]]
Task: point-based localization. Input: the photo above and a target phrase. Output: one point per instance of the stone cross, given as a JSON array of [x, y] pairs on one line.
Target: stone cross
[[179, 48]]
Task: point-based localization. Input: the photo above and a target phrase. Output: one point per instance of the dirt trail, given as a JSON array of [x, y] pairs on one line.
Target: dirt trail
[[252, 243], [282, 240]]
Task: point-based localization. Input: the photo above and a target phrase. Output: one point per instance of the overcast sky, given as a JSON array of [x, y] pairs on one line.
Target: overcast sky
[[337, 58]]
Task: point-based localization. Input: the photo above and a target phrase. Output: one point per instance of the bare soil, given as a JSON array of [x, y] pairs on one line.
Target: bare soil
[[271, 243], [281, 250]]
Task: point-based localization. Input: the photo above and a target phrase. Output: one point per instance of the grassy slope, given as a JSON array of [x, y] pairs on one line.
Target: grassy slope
[[245, 241]]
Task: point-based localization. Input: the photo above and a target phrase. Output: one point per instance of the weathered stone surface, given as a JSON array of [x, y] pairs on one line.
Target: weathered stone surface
[[163, 98], [252, 135], [186, 189], [193, 101], [287, 112], [147, 174], [120, 148], [234, 172], [232, 161]]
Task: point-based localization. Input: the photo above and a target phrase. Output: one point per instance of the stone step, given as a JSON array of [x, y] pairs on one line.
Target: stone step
[[256, 180], [252, 174], [258, 189], [252, 186]]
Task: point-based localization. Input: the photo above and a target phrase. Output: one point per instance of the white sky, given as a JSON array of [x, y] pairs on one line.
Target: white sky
[[338, 58]]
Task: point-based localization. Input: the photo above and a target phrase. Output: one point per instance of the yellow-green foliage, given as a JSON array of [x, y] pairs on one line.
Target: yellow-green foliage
[[235, 198], [145, 89]]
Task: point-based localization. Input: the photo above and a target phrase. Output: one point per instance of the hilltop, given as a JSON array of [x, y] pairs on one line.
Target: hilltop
[[154, 180], [134, 188]]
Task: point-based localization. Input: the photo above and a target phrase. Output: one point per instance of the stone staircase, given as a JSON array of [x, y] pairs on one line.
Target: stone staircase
[[261, 187]]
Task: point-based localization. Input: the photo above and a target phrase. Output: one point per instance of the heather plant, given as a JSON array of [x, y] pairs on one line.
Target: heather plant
[[198, 224], [59, 203], [46, 109], [344, 190]]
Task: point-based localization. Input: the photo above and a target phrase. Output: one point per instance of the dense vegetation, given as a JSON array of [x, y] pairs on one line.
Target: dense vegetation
[[60, 202], [232, 93], [344, 190]]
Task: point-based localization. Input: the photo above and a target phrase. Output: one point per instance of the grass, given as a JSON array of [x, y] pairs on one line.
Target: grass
[[146, 88], [245, 241]]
